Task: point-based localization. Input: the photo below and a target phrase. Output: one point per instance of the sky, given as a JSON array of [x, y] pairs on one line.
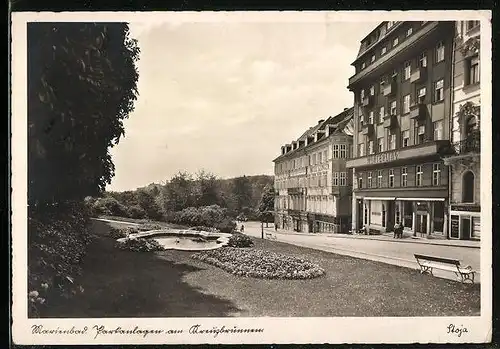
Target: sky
[[225, 96]]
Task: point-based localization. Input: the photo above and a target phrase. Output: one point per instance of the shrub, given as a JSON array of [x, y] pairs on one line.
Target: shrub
[[240, 240], [118, 233], [149, 226], [139, 245], [259, 264], [203, 228], [226, 226], [58, 237]]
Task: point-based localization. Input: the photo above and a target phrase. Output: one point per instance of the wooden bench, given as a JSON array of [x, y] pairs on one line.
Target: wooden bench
[[270, 236], [428, 263]]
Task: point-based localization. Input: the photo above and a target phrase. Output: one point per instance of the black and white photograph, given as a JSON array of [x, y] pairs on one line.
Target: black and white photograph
[[251, 177]]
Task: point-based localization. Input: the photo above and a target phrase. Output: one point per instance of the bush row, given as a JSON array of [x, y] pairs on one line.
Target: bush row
[[240, 240], [139, 245], [208, 216]]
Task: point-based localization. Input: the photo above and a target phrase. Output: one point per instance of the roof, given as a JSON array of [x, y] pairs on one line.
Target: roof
[[340, 122]]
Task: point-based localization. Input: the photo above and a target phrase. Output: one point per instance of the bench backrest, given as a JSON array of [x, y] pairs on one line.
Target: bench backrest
[[438, 259]]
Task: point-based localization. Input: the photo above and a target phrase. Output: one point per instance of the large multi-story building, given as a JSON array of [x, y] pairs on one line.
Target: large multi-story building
[[464, 162], [312, 183], [402, 88]]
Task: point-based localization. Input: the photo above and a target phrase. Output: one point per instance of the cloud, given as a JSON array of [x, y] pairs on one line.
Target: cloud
[[226, 97]]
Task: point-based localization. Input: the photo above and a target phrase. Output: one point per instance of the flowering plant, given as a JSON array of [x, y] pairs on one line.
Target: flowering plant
[[260, 264]]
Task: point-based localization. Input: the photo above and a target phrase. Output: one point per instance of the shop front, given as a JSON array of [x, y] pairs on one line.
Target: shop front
[[419, 216], [465, 222]]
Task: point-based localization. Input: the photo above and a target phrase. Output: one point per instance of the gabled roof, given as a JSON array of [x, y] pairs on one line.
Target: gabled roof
[[339, 122]]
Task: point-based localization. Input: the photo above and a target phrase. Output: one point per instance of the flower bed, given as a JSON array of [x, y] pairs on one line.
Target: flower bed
[[260, 264]]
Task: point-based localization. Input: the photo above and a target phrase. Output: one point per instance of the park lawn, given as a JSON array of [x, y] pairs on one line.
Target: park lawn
[[172, 284]]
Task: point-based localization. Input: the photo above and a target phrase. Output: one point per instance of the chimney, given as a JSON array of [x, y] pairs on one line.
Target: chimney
[[283, 150]]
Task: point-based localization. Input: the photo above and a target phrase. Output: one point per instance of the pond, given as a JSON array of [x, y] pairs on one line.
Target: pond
[[187, 242], [185, 239]]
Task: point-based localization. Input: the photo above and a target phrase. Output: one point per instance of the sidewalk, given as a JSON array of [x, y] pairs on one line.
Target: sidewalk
[[387, 237]]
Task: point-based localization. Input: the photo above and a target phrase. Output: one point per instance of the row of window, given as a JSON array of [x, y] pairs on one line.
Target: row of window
[[374, 179], [420, 93], [340, 151], [439, 50], [420, 137]]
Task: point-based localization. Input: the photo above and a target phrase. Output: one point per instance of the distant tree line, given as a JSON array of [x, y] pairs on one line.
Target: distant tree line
[[194, 197]]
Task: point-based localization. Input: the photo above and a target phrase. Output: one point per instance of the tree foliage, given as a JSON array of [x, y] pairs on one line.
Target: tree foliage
[[266, 204], [82, 83]]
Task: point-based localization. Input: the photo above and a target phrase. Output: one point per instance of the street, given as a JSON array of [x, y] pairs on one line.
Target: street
[[390, 251]]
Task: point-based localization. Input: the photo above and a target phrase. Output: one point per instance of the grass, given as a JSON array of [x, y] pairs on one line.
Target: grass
[[173, 284]]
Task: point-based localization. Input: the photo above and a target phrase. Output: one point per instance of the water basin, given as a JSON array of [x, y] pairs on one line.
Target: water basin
[[187, 240]]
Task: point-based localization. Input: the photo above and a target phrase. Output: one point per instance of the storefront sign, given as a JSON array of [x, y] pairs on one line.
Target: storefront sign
[[466, 208], [382, 158], [454, 227]]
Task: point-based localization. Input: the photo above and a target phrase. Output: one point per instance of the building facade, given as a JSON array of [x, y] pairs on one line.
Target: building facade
[[464, 162], [312, 182], [402, 105]]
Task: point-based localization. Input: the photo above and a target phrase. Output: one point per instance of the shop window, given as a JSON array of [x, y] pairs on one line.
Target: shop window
[[408, 214], [468, 187], [383, 215], [439, 216]]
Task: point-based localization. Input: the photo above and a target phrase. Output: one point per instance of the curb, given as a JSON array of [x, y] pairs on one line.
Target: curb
[[341, 236]]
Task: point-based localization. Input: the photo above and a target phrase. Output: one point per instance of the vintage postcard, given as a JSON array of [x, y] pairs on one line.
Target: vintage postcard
[[251, 177]]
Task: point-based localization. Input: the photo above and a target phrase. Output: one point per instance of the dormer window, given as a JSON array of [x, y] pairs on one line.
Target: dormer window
[[372, 90], [409, 31], [363, 65], [372, 59], [389, 24], [383, 51], [395, 42]]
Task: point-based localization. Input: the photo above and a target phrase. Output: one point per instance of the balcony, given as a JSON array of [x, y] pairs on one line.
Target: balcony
[[469, 146], [390, 121], [389, 88], [367, 101], [418, 75], [418, 111], [367, 130]]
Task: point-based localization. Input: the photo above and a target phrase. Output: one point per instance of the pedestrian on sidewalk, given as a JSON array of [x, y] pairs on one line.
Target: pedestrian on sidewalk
[[275, 227], [242, 229]]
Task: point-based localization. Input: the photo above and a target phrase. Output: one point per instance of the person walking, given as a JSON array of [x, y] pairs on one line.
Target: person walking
[[242, 229]]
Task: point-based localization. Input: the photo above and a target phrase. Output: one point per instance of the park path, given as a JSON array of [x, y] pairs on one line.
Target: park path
[[381, 249]]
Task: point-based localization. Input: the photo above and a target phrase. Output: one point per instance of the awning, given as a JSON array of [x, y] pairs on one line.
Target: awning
[[377, 198], [420, 199]]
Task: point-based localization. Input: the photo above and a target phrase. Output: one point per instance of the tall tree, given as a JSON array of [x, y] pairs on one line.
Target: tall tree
[[207, 189], [266, 204], [178, 193], [242, 191], [82, 83]]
